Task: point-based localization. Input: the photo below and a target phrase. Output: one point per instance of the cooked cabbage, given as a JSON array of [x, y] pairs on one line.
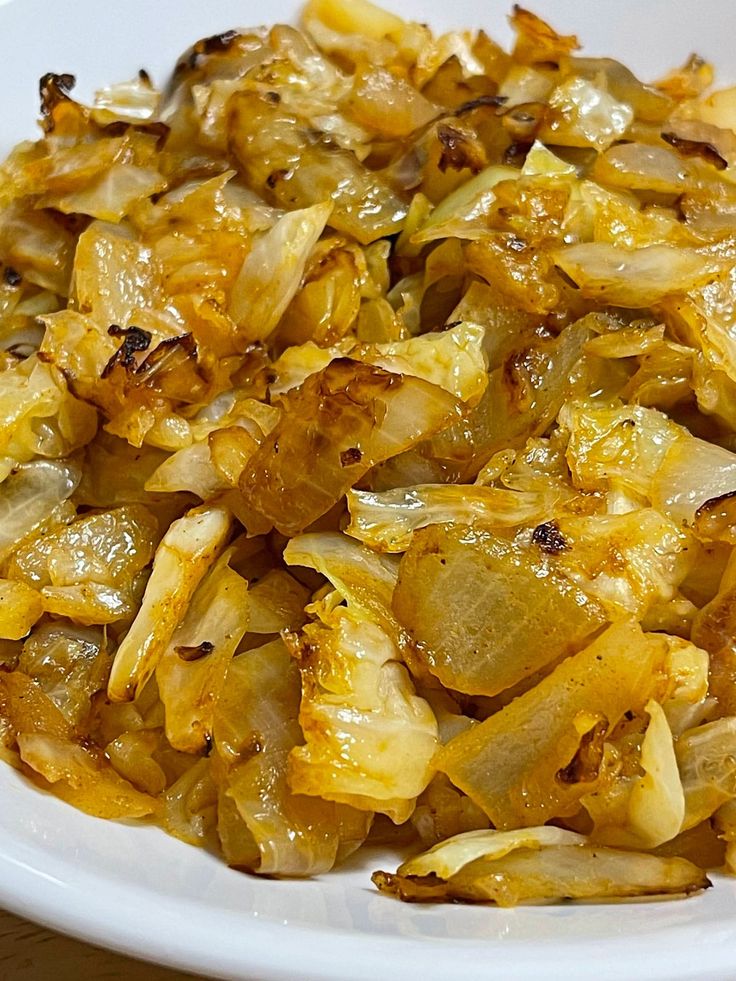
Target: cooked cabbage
[[370, 739], [367, 447], [535, 865]]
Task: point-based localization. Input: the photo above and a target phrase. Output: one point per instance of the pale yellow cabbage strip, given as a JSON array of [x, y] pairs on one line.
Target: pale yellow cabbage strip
[[187, 550]]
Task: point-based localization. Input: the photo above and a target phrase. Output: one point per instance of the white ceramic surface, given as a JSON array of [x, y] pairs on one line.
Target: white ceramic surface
[[142, 893]]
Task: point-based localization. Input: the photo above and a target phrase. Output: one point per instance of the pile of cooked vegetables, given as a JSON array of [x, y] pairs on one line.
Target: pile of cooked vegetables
[[368, 458]]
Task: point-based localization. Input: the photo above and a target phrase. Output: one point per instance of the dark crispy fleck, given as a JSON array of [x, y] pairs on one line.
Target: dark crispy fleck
[[483, 100], [549, 538], [161, 352], [134, 339], [586, 763], [195, 653], [12, 276], [54, 89], [275, 176], [458, 151], [696, 148], [516, 153], [159, 130], [713, 502], [216, 44], [350, 456]]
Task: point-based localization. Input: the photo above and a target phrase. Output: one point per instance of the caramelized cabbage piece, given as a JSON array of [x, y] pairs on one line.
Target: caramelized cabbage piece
[[537, 757], [535, 865], [263, 825], [49, 747], [187, 550], [192, 669], [327, 439], [369, 738], [82, 777], [88, 570], [705, 756], [365, 580], [271, 274], [486, 612], [20, 607], [30, 496], [69, 663], [387, 521]]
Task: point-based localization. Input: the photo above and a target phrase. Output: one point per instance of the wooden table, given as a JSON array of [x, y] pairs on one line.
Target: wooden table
[[31, 953]]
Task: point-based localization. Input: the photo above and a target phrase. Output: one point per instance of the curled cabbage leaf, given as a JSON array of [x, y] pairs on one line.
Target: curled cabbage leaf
[[192, 669], [272, 271], [263, 825], [369, 739], [188, 549], [535, 865]]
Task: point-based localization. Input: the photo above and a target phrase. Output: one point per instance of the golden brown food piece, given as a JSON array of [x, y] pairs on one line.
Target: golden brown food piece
[[192, 670], [188, 549], [537, 757], [535, 865], [328, 438], [294, 168], [262, 824], [486, 612]]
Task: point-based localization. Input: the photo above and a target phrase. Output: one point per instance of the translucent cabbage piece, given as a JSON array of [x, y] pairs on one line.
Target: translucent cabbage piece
[[584, 114], [272, 271], [705, 757], [276, 602], [453, 360], [627, 562], [70, 664], [616, 446], [20, 607], [39, 416], [539, 755], [289, 168], [30, 495], [386, 521], [523, 396], [657, 804], [263, 825], [486, 612], [88, 570], [633, 278], [365, 580], [82, 777], [534, 865], [442, 811]]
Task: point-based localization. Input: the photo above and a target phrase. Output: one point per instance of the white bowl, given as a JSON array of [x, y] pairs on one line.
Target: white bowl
[[142, 893]]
